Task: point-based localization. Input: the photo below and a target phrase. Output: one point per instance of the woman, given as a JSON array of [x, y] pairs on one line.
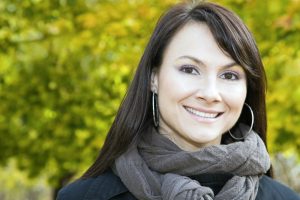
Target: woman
[[193, 122]]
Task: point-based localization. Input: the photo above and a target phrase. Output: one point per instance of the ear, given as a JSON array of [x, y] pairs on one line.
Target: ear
[[154, 80]]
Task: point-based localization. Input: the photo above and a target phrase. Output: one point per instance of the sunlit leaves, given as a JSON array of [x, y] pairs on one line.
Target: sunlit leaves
[[65, 66]]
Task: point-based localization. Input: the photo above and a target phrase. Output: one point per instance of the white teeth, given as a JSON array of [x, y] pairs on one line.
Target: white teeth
[[202, 114]]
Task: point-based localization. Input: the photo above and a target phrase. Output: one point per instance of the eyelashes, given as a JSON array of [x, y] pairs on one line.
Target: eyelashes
[[189, 69], [227, 75], [230, 75]]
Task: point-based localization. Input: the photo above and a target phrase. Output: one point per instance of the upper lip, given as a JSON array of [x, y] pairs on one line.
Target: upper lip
[[204, 110]]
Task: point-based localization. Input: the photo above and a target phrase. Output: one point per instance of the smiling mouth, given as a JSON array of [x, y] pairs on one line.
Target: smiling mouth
[[206, 115]]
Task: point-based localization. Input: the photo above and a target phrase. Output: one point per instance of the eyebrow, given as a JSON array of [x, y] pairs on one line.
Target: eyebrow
[[196, 60]]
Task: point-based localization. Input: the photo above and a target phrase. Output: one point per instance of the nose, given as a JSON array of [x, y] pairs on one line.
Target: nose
[[209, 91]]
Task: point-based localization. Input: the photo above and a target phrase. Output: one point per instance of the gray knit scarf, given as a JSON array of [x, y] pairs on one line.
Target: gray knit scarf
[[157, 169]]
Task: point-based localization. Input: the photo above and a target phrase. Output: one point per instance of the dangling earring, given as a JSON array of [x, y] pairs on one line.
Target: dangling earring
[[155, 109], [251, 126]]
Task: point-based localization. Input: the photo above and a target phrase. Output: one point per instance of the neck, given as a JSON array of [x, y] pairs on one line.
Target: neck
[[186, 144]]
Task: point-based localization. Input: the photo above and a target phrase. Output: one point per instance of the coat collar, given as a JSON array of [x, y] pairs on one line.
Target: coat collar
[[102, 187]]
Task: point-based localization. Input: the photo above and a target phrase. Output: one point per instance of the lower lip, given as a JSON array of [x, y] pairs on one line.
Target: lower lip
[[203, 119]]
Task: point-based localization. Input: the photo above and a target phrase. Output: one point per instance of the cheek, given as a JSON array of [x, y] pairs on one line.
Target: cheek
[[174, 87], [235, 97]]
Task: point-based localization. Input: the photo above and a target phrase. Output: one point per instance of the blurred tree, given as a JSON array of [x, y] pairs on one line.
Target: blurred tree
[[65, 66], [276, 27]]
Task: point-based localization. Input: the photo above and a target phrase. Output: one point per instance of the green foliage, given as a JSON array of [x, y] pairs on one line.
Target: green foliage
[[16, 185], [276, 28], [65, 66]]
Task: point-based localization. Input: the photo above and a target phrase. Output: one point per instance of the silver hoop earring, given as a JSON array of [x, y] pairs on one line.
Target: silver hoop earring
[[155, 109], [251, 126]]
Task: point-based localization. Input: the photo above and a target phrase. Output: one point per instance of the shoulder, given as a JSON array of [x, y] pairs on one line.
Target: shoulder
[[272, 189], [103, 187]]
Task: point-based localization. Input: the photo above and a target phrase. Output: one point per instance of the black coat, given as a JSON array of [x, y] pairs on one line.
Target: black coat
[[108, 186]]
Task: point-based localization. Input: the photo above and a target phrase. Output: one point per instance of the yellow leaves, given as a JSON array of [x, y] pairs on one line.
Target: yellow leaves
[[33, 134], [88, 20], [4, 33], [284, 22], [290, 19], [64, 72], [122, 28], [49, 114], [82, 135], [59, 26], [52, 85], [116, 29], [147, 12], [5, 63], [97, 142], [15, 184], [27, 35], [132, 24], [53, 29]]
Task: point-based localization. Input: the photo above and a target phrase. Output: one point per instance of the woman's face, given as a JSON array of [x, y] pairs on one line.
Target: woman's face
[[201, 91]]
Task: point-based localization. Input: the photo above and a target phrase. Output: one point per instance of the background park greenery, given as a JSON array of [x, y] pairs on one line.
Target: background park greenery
[[65, 66]]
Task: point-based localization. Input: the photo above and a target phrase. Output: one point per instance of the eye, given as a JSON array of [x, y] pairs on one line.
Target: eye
[[230, 76], [189, 69]]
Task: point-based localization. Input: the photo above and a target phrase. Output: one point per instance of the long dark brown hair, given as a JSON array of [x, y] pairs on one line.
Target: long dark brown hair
[[135, 114]]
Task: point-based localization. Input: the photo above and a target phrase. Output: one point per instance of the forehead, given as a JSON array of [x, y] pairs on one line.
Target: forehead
[[196, 40]]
